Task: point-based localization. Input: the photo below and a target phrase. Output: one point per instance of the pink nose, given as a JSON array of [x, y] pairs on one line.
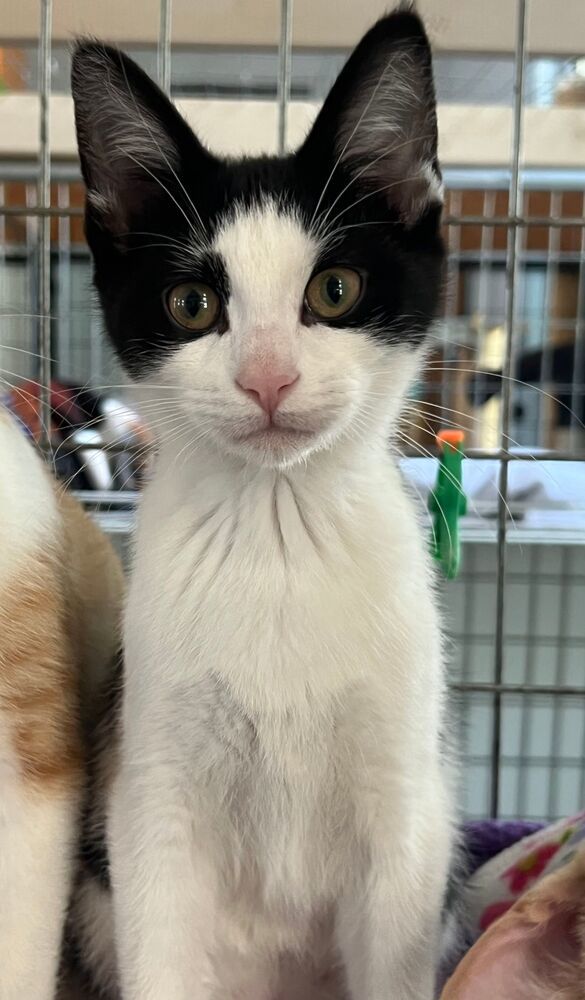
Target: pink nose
[[266, 388]]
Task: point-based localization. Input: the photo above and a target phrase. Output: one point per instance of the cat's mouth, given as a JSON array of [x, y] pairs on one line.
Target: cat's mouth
[[275, 440], [275, 434]]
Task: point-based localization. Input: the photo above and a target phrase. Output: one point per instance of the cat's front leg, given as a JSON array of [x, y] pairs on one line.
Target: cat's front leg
[[389, 918], [37, 847], [163, 887]]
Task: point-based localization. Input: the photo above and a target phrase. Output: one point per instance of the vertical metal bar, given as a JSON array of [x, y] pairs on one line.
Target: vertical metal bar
[[9, 324], [582, 757], [64, 303], [549, 327], [578, 387], [469, 605], [532, 582], [284, 69], [559, 683], [511, 284], [3, 274], [44, 230], [486, 319], [454, 278], [30, 324], [163, 58]]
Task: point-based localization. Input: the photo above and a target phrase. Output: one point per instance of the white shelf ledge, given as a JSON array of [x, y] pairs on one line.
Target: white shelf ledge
[[470, 135]]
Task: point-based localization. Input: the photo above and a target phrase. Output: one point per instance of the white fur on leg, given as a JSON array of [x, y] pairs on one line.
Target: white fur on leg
[[388, 924], [36, 850], [162, 890], [251, 978]]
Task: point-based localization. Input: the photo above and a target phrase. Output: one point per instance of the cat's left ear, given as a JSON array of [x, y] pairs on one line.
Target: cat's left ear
[[131, 138], [379, 120]]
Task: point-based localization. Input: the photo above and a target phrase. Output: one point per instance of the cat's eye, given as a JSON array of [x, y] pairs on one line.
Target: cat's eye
[[333, 292], [194, 306]]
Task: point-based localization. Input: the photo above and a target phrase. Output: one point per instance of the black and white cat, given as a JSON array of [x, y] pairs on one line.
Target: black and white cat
[[280, 804]]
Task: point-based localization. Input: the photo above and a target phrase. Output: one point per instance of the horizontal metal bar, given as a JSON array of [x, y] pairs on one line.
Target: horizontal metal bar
[[72, 448], [525, 760], [503, 455], [496, 454], [105, 499], [455, 178], [555, 641], [449, 220], [524, 577], [503, 688], [513, 221], [41, 211]]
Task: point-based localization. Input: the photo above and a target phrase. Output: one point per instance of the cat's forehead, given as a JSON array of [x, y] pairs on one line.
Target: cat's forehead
[[267, 249]]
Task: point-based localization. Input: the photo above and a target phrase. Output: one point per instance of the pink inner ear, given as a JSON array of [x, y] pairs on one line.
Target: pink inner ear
[[516, 960]]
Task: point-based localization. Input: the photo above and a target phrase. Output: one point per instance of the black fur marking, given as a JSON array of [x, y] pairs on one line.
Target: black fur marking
[[93, 853], [94, 858], [136, 243]]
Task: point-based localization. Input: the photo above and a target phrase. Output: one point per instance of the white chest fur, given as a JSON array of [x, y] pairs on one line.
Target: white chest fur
[[282, 709], [289, 587]]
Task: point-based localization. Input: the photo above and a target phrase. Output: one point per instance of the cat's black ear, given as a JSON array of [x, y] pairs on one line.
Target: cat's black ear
[[131, 138], [379, 121]]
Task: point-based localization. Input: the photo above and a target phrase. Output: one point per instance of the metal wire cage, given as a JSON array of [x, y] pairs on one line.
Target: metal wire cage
[[507, 365]]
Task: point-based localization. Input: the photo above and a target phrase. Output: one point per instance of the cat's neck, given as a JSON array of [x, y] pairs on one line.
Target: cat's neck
[[205, 476], [324, 550]]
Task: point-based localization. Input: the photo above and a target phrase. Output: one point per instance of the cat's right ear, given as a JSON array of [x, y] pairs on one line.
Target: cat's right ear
[[379, 122], [131, 138]]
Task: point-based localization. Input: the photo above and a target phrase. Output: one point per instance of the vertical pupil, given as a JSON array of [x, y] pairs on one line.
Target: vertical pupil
[[334, 289], [193, 302]]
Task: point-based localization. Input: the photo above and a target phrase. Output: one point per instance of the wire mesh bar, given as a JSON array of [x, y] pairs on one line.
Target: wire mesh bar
[[164, 46], [560, 677], [31, 252], [44, 240], [548, 326], [582, 784], [469, 603], [96, 347], [63, 340], [496, 455], [511, 283], [40, 211], [453, 279], [578, 388], [518, 221], [526, 720], [284, 69], [484, 306], [3, 275], [450, 219], [501, 688]]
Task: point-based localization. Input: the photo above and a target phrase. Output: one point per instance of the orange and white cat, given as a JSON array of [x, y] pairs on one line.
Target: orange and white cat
[[61, 589]]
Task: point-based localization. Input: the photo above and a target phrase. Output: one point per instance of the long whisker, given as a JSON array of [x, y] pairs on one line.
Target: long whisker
[[529, 385], [362, 170], [348, 140], [448, 474], [421, 450], [142, 166]]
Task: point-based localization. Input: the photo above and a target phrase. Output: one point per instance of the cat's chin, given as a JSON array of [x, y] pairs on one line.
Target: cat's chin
[[276, 447]]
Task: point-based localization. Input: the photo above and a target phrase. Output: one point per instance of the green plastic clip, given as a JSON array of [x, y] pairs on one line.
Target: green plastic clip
[[447, 503]]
